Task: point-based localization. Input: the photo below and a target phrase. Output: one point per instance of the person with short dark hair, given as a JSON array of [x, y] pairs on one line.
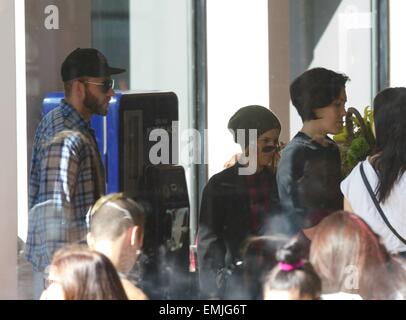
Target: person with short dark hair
[[309, 173], [293, 278], [77, 273], [67, 173], [385, 173], [237, 202], [117, 230]]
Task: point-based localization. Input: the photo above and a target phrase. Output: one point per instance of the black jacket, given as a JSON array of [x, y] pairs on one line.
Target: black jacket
[[224, 225], [308, 179]]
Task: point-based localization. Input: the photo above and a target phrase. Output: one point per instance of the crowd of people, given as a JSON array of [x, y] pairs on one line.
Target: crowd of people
[[275, 224], [300, 194]]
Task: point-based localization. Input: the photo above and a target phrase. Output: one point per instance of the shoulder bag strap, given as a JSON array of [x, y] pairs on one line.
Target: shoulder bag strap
[[378, 207]]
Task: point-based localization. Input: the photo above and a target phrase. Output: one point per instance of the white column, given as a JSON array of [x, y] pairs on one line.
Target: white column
[[8, 145], [279, 63], [21, 101], [161, 58], [238, 72]]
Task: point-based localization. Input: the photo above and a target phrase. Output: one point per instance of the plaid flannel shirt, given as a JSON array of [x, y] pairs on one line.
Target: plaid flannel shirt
[[260, 195], [66, 178], [260, 191]]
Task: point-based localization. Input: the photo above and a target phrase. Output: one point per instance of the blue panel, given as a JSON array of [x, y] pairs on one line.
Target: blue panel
[[112, 156], [138, 114], [98, 126], [51, 101], [158, 111]]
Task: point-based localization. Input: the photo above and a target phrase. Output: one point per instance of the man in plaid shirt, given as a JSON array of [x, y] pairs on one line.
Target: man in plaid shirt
[[67, 174]]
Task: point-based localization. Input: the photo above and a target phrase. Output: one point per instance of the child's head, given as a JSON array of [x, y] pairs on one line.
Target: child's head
[[117, 222], [316, 89], [78, 273], [292, 278], [259, 254]]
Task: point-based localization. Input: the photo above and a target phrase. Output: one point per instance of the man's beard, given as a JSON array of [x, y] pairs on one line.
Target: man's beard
[[93, 105]]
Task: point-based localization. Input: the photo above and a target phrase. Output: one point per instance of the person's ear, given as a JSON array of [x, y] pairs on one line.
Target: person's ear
[[133, 232], [90, 240], [136, 236], [140, 236], [79, 89], [309, 232]]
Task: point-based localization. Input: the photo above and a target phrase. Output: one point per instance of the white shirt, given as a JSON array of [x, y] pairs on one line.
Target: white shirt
[[394, 207]]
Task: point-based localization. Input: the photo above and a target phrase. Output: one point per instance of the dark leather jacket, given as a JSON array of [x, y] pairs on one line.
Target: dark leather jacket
[[308, 179], [224, 225]]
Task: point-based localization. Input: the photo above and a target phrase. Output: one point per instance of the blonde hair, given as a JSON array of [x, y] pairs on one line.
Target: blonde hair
[[113, 214]]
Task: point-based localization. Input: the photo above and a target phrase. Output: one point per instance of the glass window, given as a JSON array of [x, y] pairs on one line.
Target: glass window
[[254, 50], [153, 40]]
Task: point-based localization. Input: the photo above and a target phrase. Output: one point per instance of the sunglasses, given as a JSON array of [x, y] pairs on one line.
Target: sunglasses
[[270, 148], [106, 85], [269, 145]]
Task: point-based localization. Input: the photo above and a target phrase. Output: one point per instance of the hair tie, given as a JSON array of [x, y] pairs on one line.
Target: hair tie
[[287, 267]]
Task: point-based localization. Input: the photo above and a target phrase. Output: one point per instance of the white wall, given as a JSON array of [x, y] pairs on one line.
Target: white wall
[[238, 73], [345, 46], [279, 63], [21, 121], [397, 24], [8, 145], [161, 58]]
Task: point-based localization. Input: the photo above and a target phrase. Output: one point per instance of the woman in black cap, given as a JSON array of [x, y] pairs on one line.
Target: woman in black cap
[[237, 202]]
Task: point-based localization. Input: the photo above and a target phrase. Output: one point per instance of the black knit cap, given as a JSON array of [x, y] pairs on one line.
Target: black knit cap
[[253, 117], [86, 62]]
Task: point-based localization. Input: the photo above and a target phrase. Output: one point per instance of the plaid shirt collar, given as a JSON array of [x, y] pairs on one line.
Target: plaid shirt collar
[[73, 117]]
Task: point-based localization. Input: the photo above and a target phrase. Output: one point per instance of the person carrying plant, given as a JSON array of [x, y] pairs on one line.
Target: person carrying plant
[[309, 172]]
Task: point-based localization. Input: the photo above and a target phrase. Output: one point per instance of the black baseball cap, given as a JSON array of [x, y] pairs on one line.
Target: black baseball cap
[[87, 62]]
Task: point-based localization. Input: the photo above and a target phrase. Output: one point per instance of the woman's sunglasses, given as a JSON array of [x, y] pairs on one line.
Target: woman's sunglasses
[[270, 148], [269, 145]]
